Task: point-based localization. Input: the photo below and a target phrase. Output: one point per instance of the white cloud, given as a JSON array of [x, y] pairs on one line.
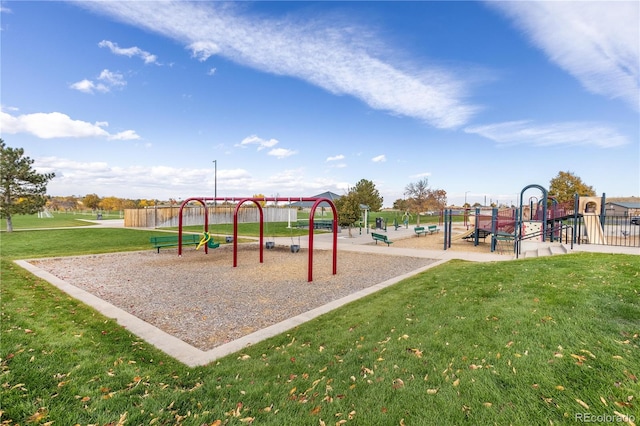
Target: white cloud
[[332, 57], [147, 57], [421, 175], [106, 81], [211, 71], [164, 182], [282, 152], [255, 140], [335, 158], [86, 86], [568, 133], [57, 125], [379, 159], [595, 41]]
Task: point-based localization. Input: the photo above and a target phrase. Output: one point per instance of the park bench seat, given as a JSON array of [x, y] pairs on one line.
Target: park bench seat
[[381, 237], [172, 241], [419, 230], [433, 229]]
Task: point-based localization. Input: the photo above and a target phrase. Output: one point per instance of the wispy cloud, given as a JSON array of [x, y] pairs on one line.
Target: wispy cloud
[[335, 58], [282, 152], [420, 175], [569, 133], [106, 81], [379, 159], [147, 57], [58, 125], [255, 140], [336, 158], [595, 41]]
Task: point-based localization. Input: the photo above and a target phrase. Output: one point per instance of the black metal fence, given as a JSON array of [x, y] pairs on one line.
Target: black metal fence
[[610, 230]]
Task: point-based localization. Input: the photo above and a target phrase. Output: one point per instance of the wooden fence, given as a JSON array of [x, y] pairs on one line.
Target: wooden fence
[[165, 217]]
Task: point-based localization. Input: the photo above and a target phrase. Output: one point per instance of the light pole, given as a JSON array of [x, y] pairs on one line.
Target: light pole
[[465, 197], [215, 182]]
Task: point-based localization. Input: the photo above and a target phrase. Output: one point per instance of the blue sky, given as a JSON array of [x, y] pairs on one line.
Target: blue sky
[[137, 99]]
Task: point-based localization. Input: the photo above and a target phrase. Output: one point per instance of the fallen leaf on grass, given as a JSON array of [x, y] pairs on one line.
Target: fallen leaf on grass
[[398, 383], [584, 351], [417, 352], [432, 391], [38, 415], [560, 387], [584, 404], [604, 401]]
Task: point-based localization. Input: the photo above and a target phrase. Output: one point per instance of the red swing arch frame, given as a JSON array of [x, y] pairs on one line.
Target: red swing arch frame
[[255, 200]]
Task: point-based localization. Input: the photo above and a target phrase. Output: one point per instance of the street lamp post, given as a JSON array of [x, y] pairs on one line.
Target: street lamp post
[[465, 197]]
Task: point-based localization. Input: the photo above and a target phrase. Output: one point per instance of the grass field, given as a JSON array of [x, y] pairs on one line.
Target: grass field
[[536, 342], [58, 220]]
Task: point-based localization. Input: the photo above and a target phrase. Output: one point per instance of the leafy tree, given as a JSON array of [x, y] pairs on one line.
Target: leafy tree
[[366, 193], [111, 203], [423, 198], [91, 201], [348, 207], [22, 189], [566, 184], [401, 204], [262, 203]]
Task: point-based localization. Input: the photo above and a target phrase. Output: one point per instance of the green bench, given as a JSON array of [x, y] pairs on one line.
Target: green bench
[[172, 241], [381, 237], [433, 228], [419, 230]]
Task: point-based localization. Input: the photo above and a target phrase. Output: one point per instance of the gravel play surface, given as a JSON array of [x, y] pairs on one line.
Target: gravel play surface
[[203, 300]]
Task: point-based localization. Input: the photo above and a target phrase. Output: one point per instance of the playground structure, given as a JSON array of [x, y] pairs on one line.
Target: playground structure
[[257, 201], [542, 220]]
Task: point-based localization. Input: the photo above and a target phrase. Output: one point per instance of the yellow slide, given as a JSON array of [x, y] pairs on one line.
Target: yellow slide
[[595, 234], [463, 235]]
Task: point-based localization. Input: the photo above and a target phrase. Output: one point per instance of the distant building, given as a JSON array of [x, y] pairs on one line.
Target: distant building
[[625, 209]]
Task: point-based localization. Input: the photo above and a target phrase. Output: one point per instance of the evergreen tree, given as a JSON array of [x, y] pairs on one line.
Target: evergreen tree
[[22, 189], [368, 195]]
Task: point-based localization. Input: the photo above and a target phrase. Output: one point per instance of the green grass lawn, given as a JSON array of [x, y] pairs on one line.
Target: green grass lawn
[[58, 220], [525, 342]]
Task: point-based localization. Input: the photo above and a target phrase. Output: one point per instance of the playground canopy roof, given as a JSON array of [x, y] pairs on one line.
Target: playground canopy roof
[[308, 204]]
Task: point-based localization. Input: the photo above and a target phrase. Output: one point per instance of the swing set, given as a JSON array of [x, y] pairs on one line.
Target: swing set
[[207, 240]]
